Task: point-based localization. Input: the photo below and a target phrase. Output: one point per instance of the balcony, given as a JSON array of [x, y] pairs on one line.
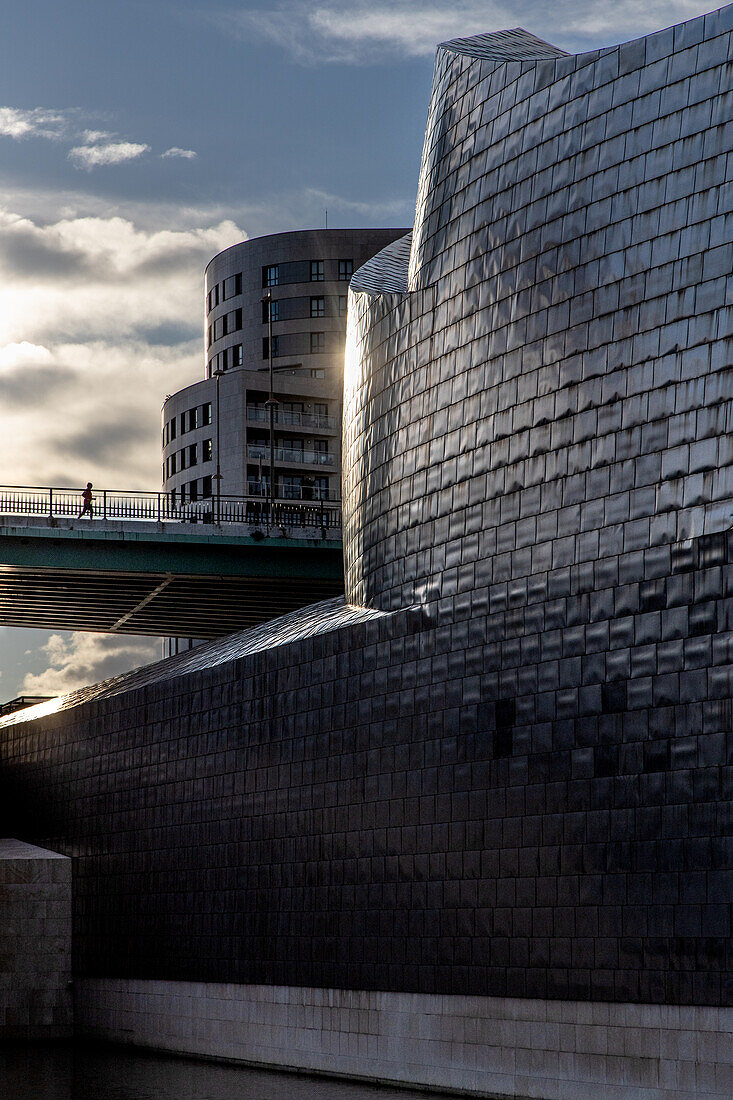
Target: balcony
[[315, 421], [290, 457]]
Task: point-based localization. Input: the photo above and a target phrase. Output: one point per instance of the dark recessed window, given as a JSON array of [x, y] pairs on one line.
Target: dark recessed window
[[318, 342], [206, 414], [219, 329], [232, 286], [270, 275], [206, 451], [343, 305], [206, 487], [193, 493], [317, 271], [266, 348], [193, 454], [213, 297], [318, 307], [182, 419], [236, 359], [209, 336], [346, 270], [173, 426], [270, 311]]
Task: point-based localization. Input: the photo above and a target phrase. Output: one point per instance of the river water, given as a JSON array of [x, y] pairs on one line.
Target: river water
[[81, 1072]]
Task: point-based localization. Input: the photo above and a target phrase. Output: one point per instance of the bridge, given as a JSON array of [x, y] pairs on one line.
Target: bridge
[[145, 563]]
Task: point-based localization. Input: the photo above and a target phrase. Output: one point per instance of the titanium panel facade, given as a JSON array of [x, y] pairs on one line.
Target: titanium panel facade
[[505, 769]]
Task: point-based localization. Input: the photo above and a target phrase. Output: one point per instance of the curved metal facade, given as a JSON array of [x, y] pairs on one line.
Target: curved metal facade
[[547, 408]]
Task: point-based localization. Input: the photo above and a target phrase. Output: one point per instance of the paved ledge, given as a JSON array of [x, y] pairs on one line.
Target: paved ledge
[[475, 1046]]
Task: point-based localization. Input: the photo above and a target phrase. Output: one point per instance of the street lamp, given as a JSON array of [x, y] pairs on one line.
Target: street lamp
[[217, 476], [270, 404]]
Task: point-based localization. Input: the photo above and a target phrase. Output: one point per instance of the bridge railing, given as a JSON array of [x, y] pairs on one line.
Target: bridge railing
[[113, 504]]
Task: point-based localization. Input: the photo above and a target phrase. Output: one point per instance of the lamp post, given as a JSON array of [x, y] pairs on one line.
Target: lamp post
[[217, 476], [270, 404]]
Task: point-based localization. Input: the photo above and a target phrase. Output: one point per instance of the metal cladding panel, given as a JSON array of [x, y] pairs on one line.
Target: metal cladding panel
[[504, 770]]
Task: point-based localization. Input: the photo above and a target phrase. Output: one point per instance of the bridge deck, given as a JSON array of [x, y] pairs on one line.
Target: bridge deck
[[156, 578]]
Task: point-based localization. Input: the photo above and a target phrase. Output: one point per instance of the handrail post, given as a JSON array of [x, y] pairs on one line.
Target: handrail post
[[104, 504], [50, 503], [158, 507]]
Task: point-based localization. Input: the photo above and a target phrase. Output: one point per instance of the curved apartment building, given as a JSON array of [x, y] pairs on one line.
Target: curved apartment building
[[303, 279]]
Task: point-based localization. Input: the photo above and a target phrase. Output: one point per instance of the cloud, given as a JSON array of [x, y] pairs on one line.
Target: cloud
[[81, 659], [364, 33], [23, 354], [17, 123], [100, 317], [103, 154], [184, 154]]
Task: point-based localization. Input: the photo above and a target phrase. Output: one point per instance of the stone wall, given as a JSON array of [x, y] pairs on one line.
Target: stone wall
[[35, 943]]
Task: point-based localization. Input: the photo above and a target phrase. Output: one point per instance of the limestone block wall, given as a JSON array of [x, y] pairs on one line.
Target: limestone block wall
[[35, 942]]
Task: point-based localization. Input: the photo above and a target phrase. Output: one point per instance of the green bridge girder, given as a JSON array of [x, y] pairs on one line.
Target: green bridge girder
[[157, 581]]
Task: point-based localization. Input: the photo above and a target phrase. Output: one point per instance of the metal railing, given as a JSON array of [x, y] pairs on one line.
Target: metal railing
[[318, 421], [292, 456], [171, 507]]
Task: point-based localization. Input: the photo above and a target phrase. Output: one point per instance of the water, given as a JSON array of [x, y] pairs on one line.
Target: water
[[81, 1072]]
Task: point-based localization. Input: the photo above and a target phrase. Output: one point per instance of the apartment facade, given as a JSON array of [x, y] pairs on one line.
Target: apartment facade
[[291, 288]]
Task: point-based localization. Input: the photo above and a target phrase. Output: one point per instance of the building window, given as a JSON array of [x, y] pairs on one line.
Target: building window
[[317, 372], [192, 420], [317, 271], [232, 286], [206, 451], [318, 307], [320, 408], [270, 275], [291, 487], [343, 305], [219, 329], [318, 342], [193, 493], [182, 419], [235, 356], [205, 414], [270, 310], [346, 270], [206, 487], [320, 488], [320, 446], [209, 336], [233, 321], [266, 348], [193, 455], [213, 297], [172, 427]]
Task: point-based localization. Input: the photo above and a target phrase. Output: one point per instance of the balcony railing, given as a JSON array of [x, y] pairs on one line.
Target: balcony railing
[[290, 456], [173, 507], [316, 421]]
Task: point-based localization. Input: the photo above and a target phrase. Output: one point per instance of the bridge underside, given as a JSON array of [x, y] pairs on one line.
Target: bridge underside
[[160, 584]]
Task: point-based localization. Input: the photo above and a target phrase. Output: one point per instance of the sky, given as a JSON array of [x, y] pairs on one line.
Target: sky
[[140, 137]]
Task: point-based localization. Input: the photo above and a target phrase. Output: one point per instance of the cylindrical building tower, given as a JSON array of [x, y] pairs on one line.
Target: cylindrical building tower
[[293, 285]]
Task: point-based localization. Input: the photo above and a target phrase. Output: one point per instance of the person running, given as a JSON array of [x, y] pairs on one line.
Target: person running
[[87, 497]]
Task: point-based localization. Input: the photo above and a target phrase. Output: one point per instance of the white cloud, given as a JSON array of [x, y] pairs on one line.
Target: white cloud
[[362, 32], [184, 154], [99, 319], [103, 154], [82, 659], [23, 354], [15, 122]]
